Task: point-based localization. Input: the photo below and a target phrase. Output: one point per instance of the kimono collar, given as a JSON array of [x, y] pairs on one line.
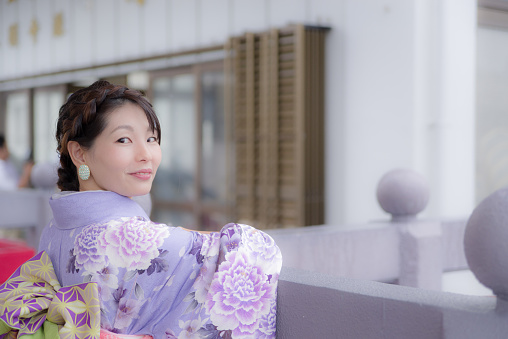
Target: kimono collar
[[91, 207]]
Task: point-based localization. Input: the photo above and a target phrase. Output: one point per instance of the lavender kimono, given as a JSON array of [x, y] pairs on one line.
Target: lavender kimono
[[164, 281]]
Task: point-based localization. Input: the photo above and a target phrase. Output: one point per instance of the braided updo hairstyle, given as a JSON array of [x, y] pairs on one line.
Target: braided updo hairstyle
[[84, 116]]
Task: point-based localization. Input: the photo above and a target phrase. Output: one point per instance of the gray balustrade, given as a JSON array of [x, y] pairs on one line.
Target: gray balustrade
[[318, 305]]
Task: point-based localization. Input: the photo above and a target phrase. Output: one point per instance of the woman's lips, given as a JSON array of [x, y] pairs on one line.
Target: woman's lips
[[142, 174]]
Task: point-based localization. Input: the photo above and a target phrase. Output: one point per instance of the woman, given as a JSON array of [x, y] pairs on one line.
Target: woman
[[153, 280]]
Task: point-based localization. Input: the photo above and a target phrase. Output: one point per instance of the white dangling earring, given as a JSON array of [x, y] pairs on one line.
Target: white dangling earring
[[84, 172]]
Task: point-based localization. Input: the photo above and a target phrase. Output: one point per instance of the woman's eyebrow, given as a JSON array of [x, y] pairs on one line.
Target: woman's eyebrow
[[127, 127]]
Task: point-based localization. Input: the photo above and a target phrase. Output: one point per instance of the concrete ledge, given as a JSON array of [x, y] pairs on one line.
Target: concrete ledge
[[314, 305]]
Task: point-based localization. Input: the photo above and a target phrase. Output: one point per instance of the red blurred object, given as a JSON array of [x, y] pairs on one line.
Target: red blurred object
[[12, 254]]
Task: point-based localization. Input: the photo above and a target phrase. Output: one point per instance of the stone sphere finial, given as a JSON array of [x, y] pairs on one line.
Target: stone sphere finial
[[486, 242], [403, 193]]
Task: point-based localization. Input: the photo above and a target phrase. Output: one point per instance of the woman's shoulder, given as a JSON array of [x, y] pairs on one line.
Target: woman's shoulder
[[127, 242]]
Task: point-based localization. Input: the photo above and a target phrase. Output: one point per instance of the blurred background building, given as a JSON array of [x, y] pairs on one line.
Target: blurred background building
[[280, 113]]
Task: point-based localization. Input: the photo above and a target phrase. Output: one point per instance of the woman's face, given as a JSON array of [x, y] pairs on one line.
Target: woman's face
[[125, 156]]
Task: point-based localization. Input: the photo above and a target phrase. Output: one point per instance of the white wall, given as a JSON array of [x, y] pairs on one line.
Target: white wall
[[492, 120], [407, 101], [399, 76], [378, 99]]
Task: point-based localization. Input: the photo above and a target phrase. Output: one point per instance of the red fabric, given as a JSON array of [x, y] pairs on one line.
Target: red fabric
[[12, 255], [109, 335]]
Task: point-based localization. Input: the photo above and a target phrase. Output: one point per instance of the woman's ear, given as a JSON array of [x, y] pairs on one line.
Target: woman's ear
[[76, 153]]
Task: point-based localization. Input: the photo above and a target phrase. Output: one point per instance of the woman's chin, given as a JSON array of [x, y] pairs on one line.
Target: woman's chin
[[135, 192]]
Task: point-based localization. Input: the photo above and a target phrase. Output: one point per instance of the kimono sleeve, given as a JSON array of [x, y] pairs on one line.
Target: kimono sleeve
[[236, 289]]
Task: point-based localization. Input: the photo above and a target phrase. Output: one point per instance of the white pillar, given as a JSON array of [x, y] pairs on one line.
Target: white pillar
[[445, 69]]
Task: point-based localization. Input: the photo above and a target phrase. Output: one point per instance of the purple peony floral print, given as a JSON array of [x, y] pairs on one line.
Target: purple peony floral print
[[87, 255], [267, 323], [239, 296], [132, 243], [261, 245]]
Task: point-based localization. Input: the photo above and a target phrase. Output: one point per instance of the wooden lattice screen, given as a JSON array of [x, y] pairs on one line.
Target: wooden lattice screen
[[278, 86]]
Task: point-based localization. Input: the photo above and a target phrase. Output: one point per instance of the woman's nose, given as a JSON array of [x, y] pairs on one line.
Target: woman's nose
[[144, 153]]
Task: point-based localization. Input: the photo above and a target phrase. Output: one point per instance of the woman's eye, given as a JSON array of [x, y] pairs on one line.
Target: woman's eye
[[152, 139], [123, 140]]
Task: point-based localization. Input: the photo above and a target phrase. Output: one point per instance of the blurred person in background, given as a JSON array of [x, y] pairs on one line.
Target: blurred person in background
[[9, 177], [26, 172]]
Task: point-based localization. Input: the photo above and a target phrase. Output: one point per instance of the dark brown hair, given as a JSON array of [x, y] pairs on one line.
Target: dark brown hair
[[84, 116]]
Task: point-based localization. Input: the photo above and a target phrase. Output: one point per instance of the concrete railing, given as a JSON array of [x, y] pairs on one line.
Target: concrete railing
[[26, 209], [316, 305], [412, 254]]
